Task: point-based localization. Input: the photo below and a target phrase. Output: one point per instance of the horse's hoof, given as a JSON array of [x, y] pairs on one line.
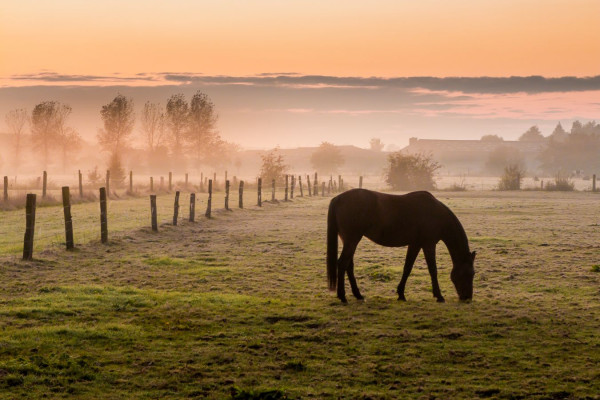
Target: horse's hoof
[[343, 300], [441, 300], [401, 298], [359, 297]]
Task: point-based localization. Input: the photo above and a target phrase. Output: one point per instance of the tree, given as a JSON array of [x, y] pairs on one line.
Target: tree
[[533, 134], [559, 134], [202, 134], [43, 127], [153, 126], [273, 166], [579, 150], [492, 138], [66, 137], [327, 158], [118, 118], [16, 120], [177, 121], [376, 144], [502, 156], [411, 171]]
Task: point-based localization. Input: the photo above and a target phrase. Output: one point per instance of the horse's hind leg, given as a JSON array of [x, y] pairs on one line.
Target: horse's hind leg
[[343, 266], [352, 280], [411, 255], [432, 266]]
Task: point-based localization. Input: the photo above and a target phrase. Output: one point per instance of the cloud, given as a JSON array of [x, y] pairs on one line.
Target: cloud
[[450, 86]]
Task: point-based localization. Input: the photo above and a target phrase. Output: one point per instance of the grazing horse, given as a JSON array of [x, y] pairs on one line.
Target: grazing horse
[[417, 220]]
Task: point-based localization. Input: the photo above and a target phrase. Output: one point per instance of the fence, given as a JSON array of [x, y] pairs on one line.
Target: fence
[[82, 222]]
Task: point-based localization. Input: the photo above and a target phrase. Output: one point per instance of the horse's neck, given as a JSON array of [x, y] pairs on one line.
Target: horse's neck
[[456, 241]]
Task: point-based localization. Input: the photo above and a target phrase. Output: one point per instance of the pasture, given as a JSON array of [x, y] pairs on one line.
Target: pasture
[[237, 306]]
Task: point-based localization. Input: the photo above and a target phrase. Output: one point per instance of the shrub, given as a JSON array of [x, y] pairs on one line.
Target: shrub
[[512, 177], [273, 167], [561, 183], [411, 171]]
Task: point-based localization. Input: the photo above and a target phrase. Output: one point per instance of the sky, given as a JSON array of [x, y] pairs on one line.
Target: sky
[[294, 73]]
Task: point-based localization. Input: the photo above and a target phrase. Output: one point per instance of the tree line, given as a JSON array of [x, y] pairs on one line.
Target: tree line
[[179, 130]]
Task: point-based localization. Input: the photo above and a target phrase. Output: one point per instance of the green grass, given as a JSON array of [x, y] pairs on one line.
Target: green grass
[[237, 307]]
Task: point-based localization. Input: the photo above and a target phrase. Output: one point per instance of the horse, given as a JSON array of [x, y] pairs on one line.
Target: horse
[[417, 220]]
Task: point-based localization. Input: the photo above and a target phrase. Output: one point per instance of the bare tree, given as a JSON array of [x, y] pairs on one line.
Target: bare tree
[[153, 126], [376, 144], [118, 118], [43, 127], [202, 134], [177, 120], [16, 120]]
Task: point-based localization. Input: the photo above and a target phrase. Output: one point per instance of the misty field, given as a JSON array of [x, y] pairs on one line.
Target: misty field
[[237, 306]]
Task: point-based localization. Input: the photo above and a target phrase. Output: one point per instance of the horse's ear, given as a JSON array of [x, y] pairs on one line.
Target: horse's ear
[[473, 254]]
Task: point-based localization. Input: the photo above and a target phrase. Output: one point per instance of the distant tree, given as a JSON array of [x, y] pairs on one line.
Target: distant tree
[[118, 118], [533, 134], [376, 144], [512, 177], [94, 176], [579, 150], [177, 122], [411, 171], [327, 158], [205, 143], [43, 128], [67, 137], [153, 125], [273, 167], [559, 134], [15, 121], [492, 138], [502, 156]]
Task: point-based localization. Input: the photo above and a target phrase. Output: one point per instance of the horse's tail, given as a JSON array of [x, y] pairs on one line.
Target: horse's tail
[[332, 246]]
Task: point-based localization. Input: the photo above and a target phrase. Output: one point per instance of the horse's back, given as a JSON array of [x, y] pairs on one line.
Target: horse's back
[[387, 219]]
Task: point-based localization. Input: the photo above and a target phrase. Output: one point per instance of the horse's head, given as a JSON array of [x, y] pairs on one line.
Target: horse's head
[[462, 276]]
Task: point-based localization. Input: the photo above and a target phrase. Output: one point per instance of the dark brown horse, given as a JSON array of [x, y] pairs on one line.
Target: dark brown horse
[[417, 220]]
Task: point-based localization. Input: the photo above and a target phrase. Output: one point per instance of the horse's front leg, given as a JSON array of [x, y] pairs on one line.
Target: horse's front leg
[[411, 255], [432, 266]]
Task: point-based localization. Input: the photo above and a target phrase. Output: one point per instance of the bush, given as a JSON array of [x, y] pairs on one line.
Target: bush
[[512, 177], [273, 167], [561, 183], [411, 171]]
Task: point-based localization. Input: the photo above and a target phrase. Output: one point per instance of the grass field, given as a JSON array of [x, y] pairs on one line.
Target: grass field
[[237, 306]]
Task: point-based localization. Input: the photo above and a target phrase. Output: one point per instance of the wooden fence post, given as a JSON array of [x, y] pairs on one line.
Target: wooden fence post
[[286, 189], [130, 181], [293, 183], [151, 184], [153, 215], [29, 227], [209, 203], [227, 194], [186, 180], [215, 181], [162, 183], [5, 188], [192, 207], [170, 181], [594, 183], [176, 208], [241, 200], [340, 182], [107, 183], [316, 185], [66, 198], [80, 183], [44, 184], [341, 185], [103, 216], [225, 175], [300, 184], [308, 185], [360, 179], [259, 192], [201, 182], [273, 191], [322, 189]]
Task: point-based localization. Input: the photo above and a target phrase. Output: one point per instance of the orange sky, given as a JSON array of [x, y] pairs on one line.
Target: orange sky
[[336, 37]]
